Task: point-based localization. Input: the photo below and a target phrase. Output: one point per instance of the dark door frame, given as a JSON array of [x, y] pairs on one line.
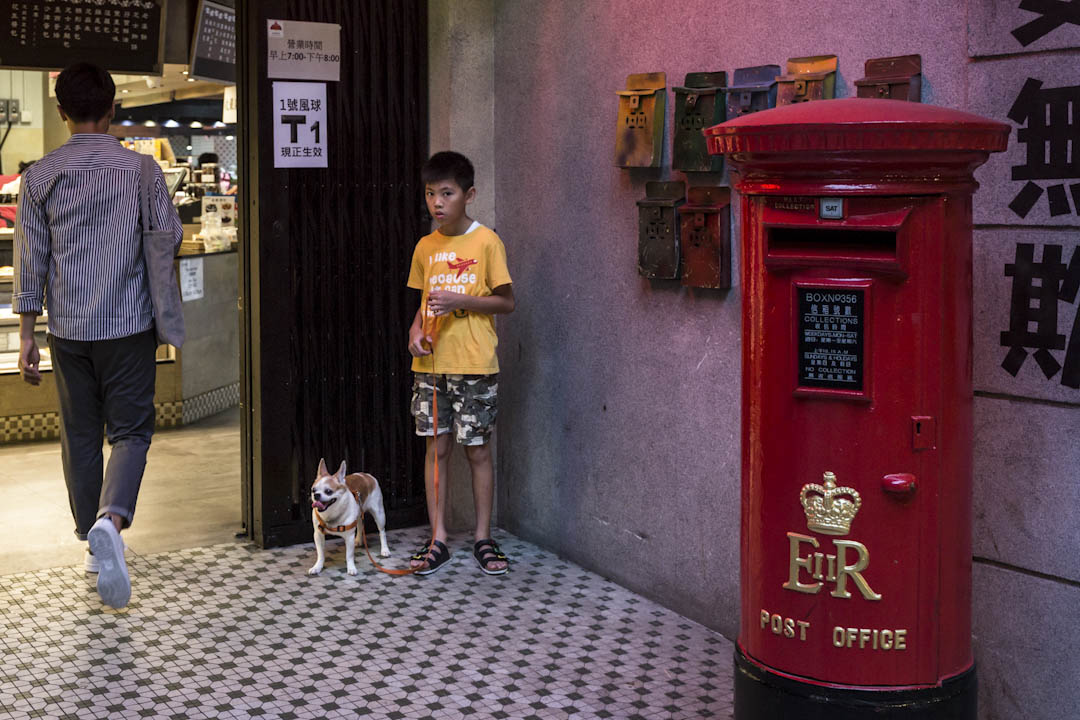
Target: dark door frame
[[274, 457]]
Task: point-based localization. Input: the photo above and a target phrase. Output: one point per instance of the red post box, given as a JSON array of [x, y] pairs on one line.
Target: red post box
[[857, 408]]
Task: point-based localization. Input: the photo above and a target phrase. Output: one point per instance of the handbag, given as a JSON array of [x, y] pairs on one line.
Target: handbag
[[158, 247]]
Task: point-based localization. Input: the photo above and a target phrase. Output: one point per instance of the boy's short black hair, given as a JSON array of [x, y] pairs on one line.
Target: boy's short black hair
[[448, 165], [85, 92]]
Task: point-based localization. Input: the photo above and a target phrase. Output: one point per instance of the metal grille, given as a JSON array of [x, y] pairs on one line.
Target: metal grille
[[334, 247]]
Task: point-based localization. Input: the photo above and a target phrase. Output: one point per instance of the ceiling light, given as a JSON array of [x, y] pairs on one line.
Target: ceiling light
[[170, 123], [150, 123], [229, 137], [191, 79], [196, 124], [219, 124], [125, 90], [183, 72], [126, 122], [188, 147]]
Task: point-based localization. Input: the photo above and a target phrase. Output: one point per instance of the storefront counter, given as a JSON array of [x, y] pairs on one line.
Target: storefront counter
[[197, 381]]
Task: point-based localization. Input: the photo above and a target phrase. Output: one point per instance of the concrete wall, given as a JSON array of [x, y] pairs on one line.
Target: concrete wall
[[619, 430], [461, 72]]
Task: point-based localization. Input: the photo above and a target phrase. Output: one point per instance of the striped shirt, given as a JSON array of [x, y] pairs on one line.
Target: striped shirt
[[78, 240]]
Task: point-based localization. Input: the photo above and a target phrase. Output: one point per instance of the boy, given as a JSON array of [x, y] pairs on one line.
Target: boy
[[460, 270], [78, 250]]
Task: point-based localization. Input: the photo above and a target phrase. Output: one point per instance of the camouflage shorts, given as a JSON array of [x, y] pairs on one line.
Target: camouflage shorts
[[469, 401]]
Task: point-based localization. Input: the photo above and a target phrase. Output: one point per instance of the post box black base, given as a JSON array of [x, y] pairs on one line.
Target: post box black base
[[762, 695]]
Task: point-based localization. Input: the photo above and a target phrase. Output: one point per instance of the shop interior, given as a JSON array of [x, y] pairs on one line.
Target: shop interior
[[191, 490]]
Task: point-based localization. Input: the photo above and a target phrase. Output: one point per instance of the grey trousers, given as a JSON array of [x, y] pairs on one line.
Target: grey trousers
[[110, 384]]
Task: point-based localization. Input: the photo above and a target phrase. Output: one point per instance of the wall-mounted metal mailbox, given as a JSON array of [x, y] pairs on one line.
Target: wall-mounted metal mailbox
[[752, 89], [658, 230], [639, 137], [697, 106], [896, 78], [807, 78], [705, 222]]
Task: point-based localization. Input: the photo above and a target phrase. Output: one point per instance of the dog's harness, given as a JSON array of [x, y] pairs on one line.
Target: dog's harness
[[341, 528]]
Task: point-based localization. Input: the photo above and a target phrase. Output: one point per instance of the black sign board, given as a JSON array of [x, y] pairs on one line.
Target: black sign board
[[831, 328], [213, 49], [120, 35]]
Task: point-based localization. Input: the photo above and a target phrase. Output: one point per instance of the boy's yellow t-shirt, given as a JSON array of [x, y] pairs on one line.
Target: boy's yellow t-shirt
[[473, 263]]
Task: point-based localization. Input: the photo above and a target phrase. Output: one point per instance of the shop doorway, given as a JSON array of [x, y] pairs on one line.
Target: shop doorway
[[296, 310], [324, 258]]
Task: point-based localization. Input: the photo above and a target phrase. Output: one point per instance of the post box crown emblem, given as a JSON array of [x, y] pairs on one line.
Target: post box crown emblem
[[829, 509]]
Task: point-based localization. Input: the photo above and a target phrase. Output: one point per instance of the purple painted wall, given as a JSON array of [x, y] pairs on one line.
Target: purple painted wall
[[619, 429]]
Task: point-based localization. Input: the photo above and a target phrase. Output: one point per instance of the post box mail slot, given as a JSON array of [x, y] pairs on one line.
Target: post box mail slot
[[807, 78], [698, 105], [753, 89], [857, 408], [705, 222], [640, 131], [658, 230], [898, 78]]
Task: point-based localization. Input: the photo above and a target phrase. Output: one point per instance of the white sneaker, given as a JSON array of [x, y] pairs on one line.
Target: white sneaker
[[90, 563], [113, 583]]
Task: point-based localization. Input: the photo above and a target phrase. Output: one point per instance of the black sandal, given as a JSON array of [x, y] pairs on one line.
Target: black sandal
[[440, 555], [486, 552]]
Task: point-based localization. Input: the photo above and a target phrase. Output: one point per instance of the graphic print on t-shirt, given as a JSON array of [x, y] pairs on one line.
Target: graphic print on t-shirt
[[472, 264]]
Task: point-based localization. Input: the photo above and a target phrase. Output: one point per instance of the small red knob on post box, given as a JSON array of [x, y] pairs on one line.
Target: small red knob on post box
[[856, 271], [900, 485]]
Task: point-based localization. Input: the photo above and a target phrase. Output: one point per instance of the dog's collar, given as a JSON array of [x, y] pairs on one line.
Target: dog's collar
[[324, 528]]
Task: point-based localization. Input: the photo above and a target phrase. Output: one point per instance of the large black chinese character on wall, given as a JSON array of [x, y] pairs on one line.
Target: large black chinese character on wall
[[1037, 290], [1052, 139]]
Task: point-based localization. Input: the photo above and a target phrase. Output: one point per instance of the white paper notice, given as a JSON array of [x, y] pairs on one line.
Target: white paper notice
[[299, 124], [191, 278], [228, 105], [303, 50]]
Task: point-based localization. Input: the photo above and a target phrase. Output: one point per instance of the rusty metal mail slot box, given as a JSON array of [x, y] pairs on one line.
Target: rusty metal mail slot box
[[895, 78], [658, 230], [697, 106], [753, 89], [642, 107], [706, 237], [807, 78]]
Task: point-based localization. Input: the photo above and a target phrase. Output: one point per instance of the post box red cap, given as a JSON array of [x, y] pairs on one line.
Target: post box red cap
[[857, 124], [855, 145]]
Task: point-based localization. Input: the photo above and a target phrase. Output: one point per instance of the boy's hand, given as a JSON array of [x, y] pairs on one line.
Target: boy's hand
[[444, 302], [419, 342]]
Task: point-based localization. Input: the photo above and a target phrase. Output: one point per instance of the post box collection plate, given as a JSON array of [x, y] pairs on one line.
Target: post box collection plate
[[698, 105], [640, 130], [830, 330], [658, 230]]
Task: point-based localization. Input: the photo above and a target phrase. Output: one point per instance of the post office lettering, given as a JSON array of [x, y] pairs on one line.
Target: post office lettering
[[869, 639]]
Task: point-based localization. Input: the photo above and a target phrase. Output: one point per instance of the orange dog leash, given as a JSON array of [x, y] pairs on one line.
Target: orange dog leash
[[433, 334]]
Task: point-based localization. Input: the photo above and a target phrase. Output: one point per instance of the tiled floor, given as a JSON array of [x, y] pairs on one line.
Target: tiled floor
[[231, 631], [195, 468]]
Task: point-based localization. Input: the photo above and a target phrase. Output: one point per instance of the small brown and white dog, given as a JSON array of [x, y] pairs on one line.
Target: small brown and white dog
[[336, 504]]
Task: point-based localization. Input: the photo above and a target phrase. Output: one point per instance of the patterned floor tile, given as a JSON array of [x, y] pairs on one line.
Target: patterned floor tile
[[231, 631]]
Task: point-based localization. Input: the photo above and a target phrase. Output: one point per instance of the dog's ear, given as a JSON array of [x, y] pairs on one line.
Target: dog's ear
[[322, 468], [341, 471]]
